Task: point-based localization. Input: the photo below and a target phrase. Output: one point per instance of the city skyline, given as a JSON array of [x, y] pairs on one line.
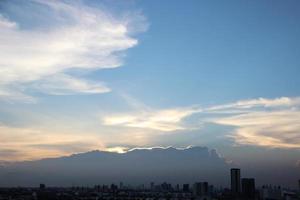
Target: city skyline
[[241, 189]]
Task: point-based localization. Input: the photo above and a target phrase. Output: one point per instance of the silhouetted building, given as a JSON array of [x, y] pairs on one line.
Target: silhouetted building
[[235, 181], [113, 187], [248, 188], [152, 186], [42, 186], [200, 189], [186, 188], [270, 192], [166, 186], [299, 185]]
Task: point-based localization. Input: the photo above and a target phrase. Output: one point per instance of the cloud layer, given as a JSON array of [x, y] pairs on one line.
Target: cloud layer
[[70, 36], [269, 129], [248, 122], [263, 122]]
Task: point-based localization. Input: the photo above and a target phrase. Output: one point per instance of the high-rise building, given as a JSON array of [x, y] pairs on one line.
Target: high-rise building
[[248, 188], [299, 185], [113, 187], [166, 186], [186, 187], [152, 186], [200, 189], [42, 186], [235, 181]]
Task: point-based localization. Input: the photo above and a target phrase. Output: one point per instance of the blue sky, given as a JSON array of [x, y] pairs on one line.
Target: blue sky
[[220, 52], [113, 75]]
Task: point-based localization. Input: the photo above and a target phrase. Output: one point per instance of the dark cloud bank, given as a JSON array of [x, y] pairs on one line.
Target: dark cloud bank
[[139, 166]]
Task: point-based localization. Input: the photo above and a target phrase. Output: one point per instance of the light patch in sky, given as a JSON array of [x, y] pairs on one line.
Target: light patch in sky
[[34, 143], [117, 149]]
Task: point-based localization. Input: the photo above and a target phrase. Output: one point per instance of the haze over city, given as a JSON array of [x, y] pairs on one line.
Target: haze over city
[[213, 84]]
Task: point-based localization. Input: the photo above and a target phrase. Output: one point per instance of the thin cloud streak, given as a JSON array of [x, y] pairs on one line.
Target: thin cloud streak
[[260, 102], [63, 84]]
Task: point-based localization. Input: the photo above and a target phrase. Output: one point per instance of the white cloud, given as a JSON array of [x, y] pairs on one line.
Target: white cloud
[[147, 118], [270, 129], [161, 120], [80, 37], [259, 122], [5, 23], [264, 122]]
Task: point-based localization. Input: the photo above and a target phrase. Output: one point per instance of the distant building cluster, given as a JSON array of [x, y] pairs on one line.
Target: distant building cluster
[[241, 189]]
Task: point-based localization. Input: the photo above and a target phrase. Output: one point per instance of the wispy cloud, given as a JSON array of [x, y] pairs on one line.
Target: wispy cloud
[[161, 120], [75, 36], [62, 84], [259, 122], [263, 122], [270, 129], [260, 102]]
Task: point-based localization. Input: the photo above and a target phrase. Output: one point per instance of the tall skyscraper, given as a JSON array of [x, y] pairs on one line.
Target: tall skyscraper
[[235, 181], [248, 188]]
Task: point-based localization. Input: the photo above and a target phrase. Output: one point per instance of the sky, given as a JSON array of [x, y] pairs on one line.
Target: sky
[[76, 76]]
